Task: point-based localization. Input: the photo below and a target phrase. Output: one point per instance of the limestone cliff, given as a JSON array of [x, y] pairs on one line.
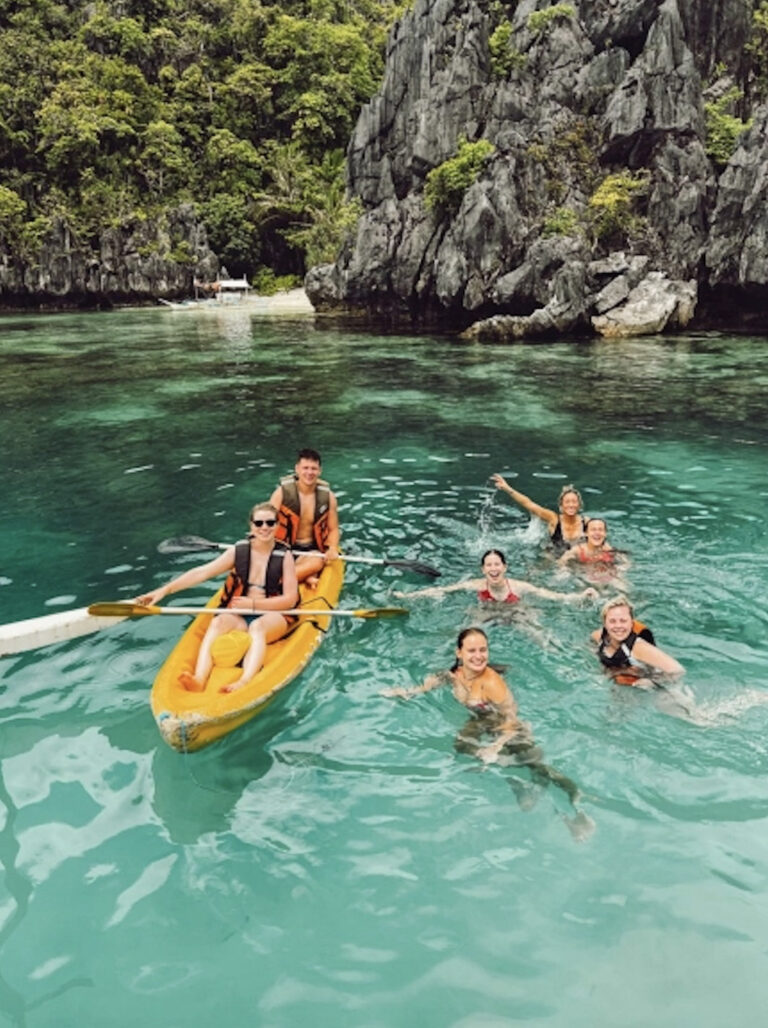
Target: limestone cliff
[[135, 262], [602, 207]]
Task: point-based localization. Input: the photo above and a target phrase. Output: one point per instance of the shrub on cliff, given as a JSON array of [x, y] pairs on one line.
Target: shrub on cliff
[[12, 210], [612, 205], [539, 20], [723, 127], [447, 183], [757, 48], [504, 59]]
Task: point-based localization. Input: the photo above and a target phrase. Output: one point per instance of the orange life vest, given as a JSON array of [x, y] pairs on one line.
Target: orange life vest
[[289, 515]]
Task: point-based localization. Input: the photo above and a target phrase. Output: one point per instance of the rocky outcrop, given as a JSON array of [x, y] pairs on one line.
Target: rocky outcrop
[[596, 114], [649, 308], [142, 261]]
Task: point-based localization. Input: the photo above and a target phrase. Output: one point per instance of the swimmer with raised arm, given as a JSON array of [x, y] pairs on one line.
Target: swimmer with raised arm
[[566, 525]]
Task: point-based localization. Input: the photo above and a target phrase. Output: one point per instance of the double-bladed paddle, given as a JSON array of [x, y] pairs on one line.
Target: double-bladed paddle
[[132, 610], [196, 544], [33, 633]]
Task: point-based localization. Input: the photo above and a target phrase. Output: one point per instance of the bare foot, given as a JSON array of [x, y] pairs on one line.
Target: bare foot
[[232, 687], [188, 681], [581, 826]]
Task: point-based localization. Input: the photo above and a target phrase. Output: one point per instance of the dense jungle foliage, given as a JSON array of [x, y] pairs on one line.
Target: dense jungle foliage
[[115, 110]]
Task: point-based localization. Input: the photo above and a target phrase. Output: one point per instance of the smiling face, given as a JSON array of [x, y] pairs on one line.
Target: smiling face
[[494, 568], [618, 623], [307, 472], [596, 531], [570, 504], [263, 522], [473, 652]]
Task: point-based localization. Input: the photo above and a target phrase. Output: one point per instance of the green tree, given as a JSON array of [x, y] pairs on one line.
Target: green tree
[[12, 210], [162, 160]]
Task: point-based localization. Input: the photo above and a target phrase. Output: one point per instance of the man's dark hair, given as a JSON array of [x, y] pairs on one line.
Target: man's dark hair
[[309, 455]]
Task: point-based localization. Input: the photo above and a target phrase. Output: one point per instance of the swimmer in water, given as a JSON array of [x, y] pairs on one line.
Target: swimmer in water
[[628, 652], [496, 587], [596, 557], [483, 691], [566, 525], [500, 594], [627, 649]]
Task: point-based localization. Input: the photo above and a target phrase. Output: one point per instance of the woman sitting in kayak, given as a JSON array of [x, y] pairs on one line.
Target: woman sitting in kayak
[[496, 587], [596, 556], [262, 583], [483, 691], [566, 526], [626, 647]]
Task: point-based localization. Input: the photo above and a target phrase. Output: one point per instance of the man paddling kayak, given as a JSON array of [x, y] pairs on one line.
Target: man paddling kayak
[[308, 516]]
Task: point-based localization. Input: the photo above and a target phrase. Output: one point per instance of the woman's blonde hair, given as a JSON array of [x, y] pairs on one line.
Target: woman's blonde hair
[[570, 489], [263, 506], [617, 601]]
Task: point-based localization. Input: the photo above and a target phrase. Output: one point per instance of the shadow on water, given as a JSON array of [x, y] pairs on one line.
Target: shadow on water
[[196, 793]]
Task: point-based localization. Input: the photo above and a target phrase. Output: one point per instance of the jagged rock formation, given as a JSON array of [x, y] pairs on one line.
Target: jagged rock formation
[[579, 93], [144, 261]]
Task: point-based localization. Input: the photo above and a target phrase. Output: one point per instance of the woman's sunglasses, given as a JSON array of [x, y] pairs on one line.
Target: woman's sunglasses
[[269, 522]]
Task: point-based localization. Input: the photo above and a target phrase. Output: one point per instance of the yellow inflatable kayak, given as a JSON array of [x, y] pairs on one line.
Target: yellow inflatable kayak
[[190, 720]]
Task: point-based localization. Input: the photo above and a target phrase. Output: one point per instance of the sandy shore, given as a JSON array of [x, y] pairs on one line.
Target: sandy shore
[[293, 301]]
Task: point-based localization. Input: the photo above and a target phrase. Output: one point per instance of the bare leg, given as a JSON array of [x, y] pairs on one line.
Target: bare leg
[[269, 628], [219, 625], [526, 754], [308, 570]]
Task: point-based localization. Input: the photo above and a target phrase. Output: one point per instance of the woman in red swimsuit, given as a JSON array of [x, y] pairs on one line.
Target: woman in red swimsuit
[[599, 560], [496, 587]]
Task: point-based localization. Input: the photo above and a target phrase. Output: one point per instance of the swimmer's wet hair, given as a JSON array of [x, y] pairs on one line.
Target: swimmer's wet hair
[[488, 553], [460, 641], [617, 601], [570, 489]]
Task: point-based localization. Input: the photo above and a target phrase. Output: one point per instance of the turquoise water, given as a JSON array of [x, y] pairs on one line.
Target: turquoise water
[[335, 862]]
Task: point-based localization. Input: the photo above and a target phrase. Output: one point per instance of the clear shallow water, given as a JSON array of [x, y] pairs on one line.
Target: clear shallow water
[[335, 862]]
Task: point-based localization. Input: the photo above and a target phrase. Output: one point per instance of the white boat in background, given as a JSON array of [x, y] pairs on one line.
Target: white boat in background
[[231, 290], [213, 295]]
